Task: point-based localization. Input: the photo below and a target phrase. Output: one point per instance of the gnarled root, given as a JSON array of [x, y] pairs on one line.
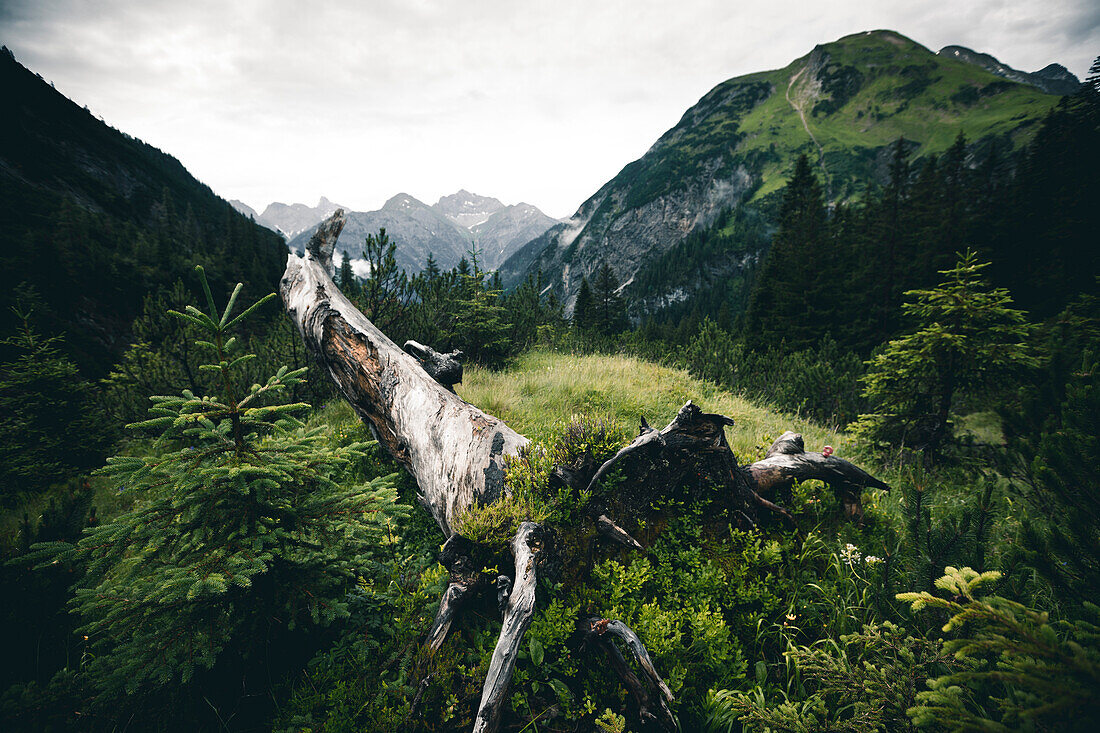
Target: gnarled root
[[690, 452], [526, 548], [653, 699]]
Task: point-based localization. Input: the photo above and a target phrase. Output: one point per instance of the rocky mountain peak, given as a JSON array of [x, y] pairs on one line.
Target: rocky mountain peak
[[1052, 78], [468, 209]]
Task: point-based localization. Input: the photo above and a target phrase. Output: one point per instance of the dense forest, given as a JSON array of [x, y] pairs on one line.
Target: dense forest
[[199, 534]]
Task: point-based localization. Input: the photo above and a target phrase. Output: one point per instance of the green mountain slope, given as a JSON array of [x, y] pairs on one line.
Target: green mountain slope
[[93, 220], [843, 104]]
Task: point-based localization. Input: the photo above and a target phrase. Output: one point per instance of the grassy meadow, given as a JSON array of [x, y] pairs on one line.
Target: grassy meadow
[[541, 390]]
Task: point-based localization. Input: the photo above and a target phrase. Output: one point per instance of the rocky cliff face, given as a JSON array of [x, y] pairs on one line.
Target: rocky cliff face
[[244, 208], [467, 209], [416, 228], [508, 229], [292, 219]]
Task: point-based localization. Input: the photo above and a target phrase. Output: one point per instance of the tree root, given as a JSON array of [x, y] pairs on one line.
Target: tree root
[[653, 699], [466, 579], [526, 548], [788, 461]]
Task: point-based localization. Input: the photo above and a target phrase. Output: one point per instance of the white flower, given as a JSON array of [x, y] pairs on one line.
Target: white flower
[[872, 560], [850, 553]]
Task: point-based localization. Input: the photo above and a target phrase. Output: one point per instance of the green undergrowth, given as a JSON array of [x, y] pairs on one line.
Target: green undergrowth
[[715, 605], [738, 622]]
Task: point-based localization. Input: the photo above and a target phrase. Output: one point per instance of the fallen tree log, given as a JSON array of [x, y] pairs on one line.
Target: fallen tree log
[[454, 450], [456, 453]]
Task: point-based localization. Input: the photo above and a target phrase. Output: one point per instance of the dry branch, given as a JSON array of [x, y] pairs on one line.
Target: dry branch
[[653, 699]]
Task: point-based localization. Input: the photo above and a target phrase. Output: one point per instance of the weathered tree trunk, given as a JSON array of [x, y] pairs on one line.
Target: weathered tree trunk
[[454, 450], [456, 454]]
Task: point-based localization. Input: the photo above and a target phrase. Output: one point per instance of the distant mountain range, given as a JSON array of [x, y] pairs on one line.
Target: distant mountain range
[[289, 219], [447, 230], [843, 104]]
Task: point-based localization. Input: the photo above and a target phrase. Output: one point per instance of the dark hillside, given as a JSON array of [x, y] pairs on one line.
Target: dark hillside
[[93, 220]]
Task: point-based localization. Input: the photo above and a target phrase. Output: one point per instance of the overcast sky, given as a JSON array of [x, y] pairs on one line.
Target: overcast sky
[[540, 102]]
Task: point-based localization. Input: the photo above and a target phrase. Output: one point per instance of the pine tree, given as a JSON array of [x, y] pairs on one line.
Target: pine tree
[[1050, 254], [346, 280], [607, 304], [385, 293], [47, 413], [785, 303], [967, 336], [1052, 451], [584, 308], [889, 241], [162, 360], [953, 215], [1030, 674], [481, 328], [244, 525]]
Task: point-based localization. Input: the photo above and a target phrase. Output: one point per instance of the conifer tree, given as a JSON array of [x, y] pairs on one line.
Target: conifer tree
[[967, 336], [162, 360], [244, 525], [481, 328], [1052, 451], [888, 241], [346, 281], [1019, 671], [584, 307], [607, 304], [785, 305], [47, 414], [385, 294]]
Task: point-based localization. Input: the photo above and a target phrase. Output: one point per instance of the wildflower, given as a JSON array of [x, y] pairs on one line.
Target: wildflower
[[850, 553], [872, 560]]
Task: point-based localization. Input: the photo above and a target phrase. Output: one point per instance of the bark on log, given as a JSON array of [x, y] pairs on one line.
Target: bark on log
[[526, 548], [787, 461], [454, 450]]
